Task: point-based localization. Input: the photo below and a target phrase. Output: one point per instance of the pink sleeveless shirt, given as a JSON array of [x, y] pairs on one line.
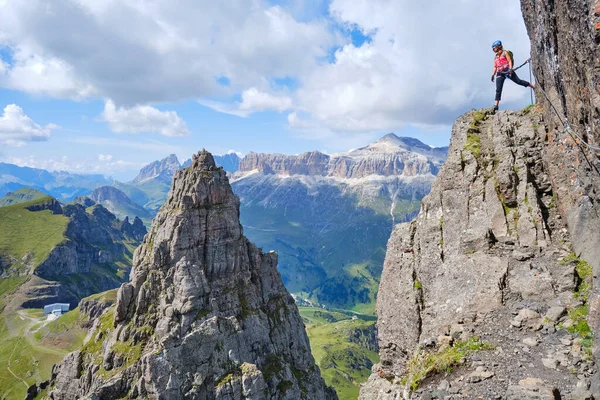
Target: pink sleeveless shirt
[[501, 63]]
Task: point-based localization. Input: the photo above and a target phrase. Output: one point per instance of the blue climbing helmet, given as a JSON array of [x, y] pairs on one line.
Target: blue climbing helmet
[[497, 43]]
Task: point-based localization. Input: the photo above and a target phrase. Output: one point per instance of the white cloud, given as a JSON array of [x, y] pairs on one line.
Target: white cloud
[[253, 100], [239, 153], [36, 74], [256, 100], [105, 157], [177, 50], [147, 146], [143, 119], [16, 128]]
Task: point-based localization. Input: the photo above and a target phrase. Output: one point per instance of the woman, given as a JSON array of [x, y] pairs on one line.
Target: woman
[[503, 68]]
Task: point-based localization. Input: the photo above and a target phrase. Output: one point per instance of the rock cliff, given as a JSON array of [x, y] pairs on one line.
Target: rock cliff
[[205, 315], [564, 42], [489, 243]]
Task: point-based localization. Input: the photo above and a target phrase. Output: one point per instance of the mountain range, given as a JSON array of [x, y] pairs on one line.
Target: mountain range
[[150, 187], [62, 185], [329, 216]]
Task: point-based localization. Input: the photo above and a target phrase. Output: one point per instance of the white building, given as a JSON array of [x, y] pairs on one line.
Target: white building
[[55, 310]]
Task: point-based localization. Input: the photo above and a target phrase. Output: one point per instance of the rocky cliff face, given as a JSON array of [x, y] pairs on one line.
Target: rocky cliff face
[[205, 315], [135, 229], [564, 42], [488, 244], [390, 155]]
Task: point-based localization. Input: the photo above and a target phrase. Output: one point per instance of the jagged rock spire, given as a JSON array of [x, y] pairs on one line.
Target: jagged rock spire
[[206, 311]]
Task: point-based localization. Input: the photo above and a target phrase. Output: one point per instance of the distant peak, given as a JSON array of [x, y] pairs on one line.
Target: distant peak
[[403, 141], [389, 137], [172, 158]]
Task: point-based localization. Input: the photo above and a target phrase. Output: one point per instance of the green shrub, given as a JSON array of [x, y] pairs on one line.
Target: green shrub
[[424, 365]]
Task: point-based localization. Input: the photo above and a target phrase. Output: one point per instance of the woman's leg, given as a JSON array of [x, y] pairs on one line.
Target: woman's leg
[[499, 85], [515, 78]]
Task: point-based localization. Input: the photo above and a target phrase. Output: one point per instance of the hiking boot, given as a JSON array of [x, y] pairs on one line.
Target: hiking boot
[[494, 109]]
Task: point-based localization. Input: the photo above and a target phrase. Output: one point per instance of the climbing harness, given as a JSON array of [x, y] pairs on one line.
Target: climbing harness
[[528, 61]]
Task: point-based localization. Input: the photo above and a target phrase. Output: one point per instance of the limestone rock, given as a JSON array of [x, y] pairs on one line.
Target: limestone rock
[[532, 389], [205, 315], [554, 313]]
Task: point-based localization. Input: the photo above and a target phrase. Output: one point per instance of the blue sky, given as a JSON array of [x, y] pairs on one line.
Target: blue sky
[[107, 86]]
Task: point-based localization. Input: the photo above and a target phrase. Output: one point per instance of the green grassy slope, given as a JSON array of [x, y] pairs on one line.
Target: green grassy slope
[[30, 345], [344, 364], [25, 232], [20, 196]]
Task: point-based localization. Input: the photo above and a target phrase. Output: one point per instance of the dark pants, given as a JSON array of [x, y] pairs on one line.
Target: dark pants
[[501, 77]]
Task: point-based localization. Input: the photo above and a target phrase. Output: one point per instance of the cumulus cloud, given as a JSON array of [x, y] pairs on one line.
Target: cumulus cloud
[[177, 52], [256, 100], [16, 128], [36, 74], [238, 153], [143, 119]]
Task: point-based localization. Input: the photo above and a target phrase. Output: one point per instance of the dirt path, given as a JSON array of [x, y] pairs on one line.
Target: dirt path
[[28, 332], [11, 371]]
